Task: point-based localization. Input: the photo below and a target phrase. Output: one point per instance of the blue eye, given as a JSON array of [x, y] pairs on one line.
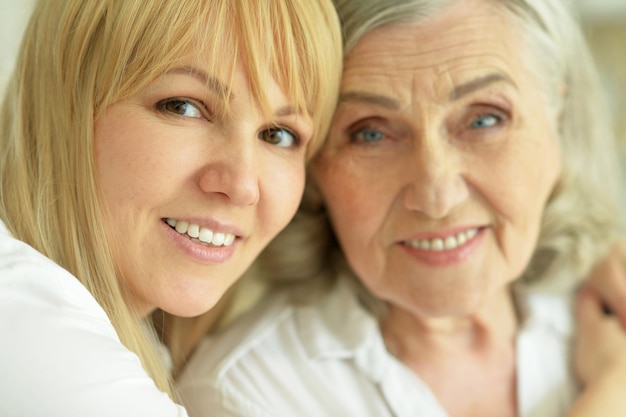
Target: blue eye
[[180, 107], [279, 137], [485, 121], [367, 135]]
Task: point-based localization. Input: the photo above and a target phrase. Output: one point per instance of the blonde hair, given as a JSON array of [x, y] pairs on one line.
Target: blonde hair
[[79, 57], [581, 217]]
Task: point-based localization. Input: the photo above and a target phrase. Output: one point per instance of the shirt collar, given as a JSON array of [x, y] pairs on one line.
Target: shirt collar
[[336, 326], [548, 311], [339, 328]]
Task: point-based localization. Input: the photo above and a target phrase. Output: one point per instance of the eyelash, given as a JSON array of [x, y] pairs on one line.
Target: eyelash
[[272, 134], [356, 136], [266, 135], [202, 111], [498, 119], [357, 131]]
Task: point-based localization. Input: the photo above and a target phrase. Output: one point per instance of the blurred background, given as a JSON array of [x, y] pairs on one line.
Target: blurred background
[[605, 26], [604, 22]]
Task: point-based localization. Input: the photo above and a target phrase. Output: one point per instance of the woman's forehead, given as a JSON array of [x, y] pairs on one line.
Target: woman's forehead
[[441, 59]]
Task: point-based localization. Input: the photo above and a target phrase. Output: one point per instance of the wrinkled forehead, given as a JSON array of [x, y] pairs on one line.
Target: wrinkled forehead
[[463, 41]]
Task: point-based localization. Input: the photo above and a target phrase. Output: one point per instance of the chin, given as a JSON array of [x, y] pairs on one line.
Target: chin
[[194, 304], [438, 307]]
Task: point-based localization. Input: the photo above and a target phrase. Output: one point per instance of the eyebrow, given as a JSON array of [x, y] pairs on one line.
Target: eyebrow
[[369, 98], [212, 83], [220, 88], [458, 92], [479, 83], [286, 111]]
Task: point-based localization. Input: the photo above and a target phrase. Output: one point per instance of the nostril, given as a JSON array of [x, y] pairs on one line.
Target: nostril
[[238, 183], [435, 197]]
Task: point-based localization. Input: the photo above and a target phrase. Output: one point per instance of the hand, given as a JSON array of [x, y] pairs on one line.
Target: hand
[[600, 343], [608, 281]]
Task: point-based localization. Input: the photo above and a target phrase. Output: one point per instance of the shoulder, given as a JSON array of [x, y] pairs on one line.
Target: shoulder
[[270, 324], [276, 360], [31, 283], [60, 354], [278, 329], [229, 370]]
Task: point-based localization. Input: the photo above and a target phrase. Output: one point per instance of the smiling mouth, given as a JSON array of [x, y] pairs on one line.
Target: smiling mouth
[[200, 234], [443, 244]]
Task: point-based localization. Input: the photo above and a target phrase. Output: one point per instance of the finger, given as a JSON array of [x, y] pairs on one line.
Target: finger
[[616, 297], [615, 300], [608, 280], [588, 307]]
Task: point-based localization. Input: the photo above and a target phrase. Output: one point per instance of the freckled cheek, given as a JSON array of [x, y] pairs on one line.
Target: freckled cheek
[[353, 211], [139, 167], [122, 180], [115, 165], [281, 193]]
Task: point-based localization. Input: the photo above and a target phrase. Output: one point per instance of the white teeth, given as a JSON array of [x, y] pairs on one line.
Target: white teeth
[[448, 243], [193, 230], [203, 234], [218, 239], [181, 227], [436, 245], [206, 235]]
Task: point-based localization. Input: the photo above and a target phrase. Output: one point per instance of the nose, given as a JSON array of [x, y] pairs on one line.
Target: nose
[[233, 171], [436, 185]]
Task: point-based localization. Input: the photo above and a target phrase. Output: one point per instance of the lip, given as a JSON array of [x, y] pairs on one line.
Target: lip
[[199, 252], [450, 257]]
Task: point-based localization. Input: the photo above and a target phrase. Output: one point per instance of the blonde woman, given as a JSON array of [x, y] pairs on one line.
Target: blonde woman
[[149, 150]]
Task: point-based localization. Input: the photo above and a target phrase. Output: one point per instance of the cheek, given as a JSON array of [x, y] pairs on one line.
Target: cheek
[[518, 191], [283, 184], [354, 214], [517, 178], [118, 165], [113, 176], [136, 168]]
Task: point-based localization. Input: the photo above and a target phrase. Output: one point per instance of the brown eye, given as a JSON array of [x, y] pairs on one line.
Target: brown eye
[[181, 107], [279, 137]]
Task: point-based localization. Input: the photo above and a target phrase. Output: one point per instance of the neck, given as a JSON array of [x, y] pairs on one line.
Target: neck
[[494, 323], [467, 361]]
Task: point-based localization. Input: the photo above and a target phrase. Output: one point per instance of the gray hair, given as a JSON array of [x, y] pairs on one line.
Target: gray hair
[[580, 220]]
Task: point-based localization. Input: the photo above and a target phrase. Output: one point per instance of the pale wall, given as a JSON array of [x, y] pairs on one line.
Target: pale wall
[[13, 16]]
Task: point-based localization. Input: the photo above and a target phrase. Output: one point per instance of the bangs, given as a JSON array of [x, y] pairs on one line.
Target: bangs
[[285, 40]]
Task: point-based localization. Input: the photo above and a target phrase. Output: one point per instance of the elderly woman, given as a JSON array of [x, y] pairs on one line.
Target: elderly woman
[[469, 180]]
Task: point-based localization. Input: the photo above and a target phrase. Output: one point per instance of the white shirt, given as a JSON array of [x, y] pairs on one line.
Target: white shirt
[[329, 359], [59, 353]]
